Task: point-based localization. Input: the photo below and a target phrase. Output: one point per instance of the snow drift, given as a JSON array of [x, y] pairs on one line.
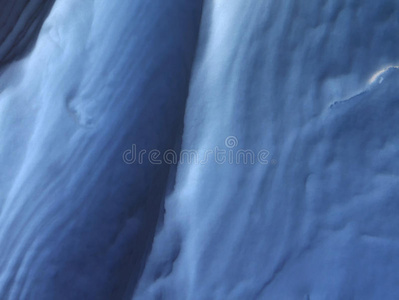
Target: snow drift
[[313, 83]]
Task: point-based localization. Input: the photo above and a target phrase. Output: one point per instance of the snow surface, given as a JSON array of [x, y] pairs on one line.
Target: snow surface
[[20, 24], [76, 222], [313, 82], [321, 223]]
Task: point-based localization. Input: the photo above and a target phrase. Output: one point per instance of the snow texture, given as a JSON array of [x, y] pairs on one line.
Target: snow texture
[[76, 222], [20, 25], [313, 82]]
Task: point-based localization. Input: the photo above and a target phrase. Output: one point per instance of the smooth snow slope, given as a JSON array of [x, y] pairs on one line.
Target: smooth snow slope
[[75, 220], [322, 221]]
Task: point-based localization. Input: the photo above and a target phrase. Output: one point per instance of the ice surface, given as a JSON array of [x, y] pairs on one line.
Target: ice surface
[[312, 82]]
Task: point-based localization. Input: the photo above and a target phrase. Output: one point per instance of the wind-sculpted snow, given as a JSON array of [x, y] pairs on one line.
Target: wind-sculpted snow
[[321, 222], [312, 85], [20, 22], [76, 222]]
